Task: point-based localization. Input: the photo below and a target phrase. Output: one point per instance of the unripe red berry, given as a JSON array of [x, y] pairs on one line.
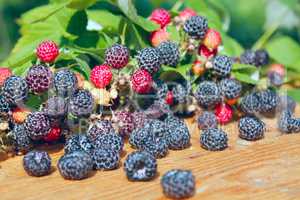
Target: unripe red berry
[[205, 52], [212, 39], [160, 16], [141, 81], [53, 135], [101, 76], [159, 36], [186, 14], [169, 98], [47, 51], [224, 113], [198, 68], [4, 74]]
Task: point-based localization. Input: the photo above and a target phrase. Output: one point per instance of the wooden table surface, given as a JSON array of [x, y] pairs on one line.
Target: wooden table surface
[[266, 169]]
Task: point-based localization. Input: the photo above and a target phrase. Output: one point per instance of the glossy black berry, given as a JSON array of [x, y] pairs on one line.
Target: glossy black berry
[[37, 163], [250, 103], [248, 57], [81, 103], [21, 141], [149, 59], [55, 107], [222, 65], [99, 127], [105, 159], [196, 27], [261, 57], [140, 166], [37, 125], [208, 94], [269, 101], [287, 123], [230, 88], [65, 82], [207, 120], [251, 128], [4, 106], [75, 166], [111, 141], [169, 53], [213, 139], [78, 142], [117, 56], [181, 92], [15, 90], [178, 184]]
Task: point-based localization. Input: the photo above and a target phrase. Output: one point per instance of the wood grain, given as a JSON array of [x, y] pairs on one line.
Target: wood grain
[[266, 169]]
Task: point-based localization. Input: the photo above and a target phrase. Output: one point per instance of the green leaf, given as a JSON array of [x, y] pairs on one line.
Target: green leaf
[[129, 10], [54, 28], [231, 47], [181, 70], [83, 67], [105, 19], [174, 33], [243, 77], [78, 23], [285, 51], [295, 94], [241, 67], [81, 4]]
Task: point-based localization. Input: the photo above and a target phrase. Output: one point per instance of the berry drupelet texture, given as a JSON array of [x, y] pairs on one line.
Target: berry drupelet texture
[[75, 166], [222, 65], [98, 128], [181, 92], [55, 107], [269, 101], [160, 16], [117, 56], [287, 123], [47, 51], [230, 88], [139, 119], [149, 59], [15, 90], [65, 83], [169, 53], [105, 159], [124, 122], [37, 125], [213, 139], [141, 81], [81, 103], [250, 103], [248, 57], [261, 57], [110, 141], [39, 79], [37, 163], [21, 141], [208, 94], [101, 76], [140, 166], [78, 142], [178, 184], [4, 106], [196, 27], [207, 120], [251, 128]]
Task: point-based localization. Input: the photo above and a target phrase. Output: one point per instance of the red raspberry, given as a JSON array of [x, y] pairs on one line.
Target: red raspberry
[[224, 113], [161, 17], [47, 51], [159, 36], [101, 76], [169, 98], [186, 14], [4, 74], [141, 81], [53, 135], [204, 51], [212, 39], [198, 68]]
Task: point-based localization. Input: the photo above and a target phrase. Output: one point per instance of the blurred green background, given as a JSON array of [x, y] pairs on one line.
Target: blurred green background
[[245, 20]]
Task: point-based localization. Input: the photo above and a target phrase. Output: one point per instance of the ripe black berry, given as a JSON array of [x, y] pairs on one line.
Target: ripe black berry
[[98, 128], [140, 166], [248, 57], [178, 184], [15, 90], [222, 65], [149, 59], [207, 120], [159, 109], [65, 82], [261, 57], [156, 146], [37, 163], [287, 123], [196, 27], [139, 119], [4, 106], [105, 159], [117, 56], [178, 135], [169, 53], [39, 79], [250, 103], [37, 125], [111, 141], [207, 94], [251, 128], [81, 103], [78, 142], [21, 141], [269, 101], [55, 107], [75, 166], [124, 121], [230, 88], [181, 92], [213, 139]]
